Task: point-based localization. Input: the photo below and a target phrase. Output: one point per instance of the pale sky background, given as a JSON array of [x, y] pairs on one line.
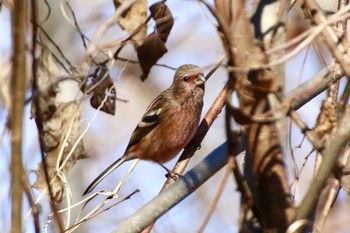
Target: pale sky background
[[193, 40]]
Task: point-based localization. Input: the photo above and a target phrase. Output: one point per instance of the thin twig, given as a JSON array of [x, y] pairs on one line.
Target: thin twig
[[83, 37], [33, 205], [77, 224], [38, 118], [330, 156], [91, 48], [16, 111], [313, 10]]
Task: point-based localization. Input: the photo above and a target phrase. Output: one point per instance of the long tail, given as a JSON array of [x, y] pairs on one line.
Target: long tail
[[105, 173]]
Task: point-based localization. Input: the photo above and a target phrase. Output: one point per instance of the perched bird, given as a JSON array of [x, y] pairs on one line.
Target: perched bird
[[168, 124]]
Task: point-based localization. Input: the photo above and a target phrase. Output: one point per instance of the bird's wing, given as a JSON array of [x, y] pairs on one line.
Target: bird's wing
[[148, 122]]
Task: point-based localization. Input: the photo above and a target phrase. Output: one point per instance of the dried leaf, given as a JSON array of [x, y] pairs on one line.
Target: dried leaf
[[47, 70], [105, 95], [149, 53], [63, 125], [58, 120], [134, 18], [163, 18], [103, 90], [153, 47]]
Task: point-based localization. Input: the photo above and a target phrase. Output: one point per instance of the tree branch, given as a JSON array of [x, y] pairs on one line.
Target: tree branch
[[330, 158], [175, 193], [16, 110], [335, 44]]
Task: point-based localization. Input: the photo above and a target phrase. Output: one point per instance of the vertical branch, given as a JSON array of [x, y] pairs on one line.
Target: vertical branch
[[326, 123], [39, 110], [16, 110], [264, 157]]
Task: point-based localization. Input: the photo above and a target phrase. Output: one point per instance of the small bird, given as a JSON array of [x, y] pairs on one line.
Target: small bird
[[168, 124]]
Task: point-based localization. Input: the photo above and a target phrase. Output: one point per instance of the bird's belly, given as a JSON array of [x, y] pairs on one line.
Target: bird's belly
[[165, 148]]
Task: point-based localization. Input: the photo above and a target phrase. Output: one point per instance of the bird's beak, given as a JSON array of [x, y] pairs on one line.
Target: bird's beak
[[200, 79]]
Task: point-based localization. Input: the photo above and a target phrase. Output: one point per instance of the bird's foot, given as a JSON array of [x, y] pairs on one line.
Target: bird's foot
[[173, 175], [170, 173]]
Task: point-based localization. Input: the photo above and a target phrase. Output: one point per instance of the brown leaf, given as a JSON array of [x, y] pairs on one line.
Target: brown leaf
[[163, 18], [153, 47], [149, 53], [103, 90]]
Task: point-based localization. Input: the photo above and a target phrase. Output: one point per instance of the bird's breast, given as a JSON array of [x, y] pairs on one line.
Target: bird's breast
[[175, 130]]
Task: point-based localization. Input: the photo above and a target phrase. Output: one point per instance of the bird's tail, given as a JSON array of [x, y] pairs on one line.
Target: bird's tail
[[105, 173]]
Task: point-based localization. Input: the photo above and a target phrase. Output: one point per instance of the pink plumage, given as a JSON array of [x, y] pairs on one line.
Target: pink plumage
[[168, 124]]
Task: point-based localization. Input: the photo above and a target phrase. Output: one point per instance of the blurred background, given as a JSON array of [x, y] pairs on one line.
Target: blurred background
[[194, 39]]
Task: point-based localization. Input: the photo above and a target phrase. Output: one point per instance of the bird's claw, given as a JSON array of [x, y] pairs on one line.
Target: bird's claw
[[173, 175]]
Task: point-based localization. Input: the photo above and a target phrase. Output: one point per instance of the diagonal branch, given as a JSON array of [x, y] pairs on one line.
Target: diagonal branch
[[330, 157], [183, 187]]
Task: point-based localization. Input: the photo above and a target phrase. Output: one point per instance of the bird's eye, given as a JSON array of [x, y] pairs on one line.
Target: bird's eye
[[185, 79]]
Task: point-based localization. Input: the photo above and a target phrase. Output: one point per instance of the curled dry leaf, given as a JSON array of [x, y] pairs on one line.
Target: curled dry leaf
[[327, 119], [59, 121], [47, 71], [62, 130], [163, 18], [132, 19], [153, 47], [103, 91], [149, 53], [104, 95]]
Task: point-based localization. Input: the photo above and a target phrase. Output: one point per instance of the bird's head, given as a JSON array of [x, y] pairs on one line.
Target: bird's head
[[189, 79]]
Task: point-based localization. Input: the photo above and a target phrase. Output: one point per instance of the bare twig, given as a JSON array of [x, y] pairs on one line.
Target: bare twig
[[83, 37], [330, 156], [33, 205], [336, 45], [85, 219], [101, 30], [38, 118], [16, 112], [59, 51]]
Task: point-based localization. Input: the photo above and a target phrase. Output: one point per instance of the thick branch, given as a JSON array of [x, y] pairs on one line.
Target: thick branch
[[178, 191]]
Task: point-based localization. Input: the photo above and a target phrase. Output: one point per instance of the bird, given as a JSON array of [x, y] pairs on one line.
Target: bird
[[168, 124]]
